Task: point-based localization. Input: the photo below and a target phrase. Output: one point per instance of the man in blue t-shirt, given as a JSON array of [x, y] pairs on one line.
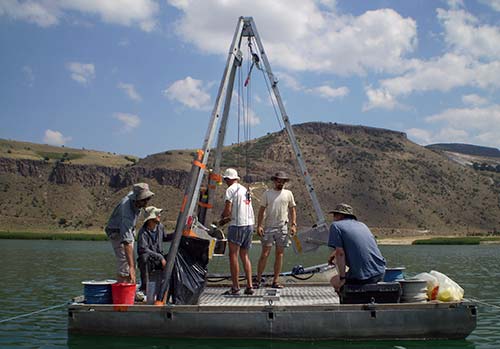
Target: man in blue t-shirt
[[355, 247]]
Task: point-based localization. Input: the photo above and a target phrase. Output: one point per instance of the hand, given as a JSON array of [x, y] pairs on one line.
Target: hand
[[293, 230], [163, 263], [339, 285], [224, 220], [132, 275], [331, 259], [260, 231]]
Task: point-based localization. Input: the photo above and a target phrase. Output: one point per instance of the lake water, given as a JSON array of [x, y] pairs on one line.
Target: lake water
[[41, 274]]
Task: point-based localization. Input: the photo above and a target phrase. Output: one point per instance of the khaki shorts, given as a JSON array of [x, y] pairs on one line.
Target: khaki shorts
[[278, 235], [122, 267]]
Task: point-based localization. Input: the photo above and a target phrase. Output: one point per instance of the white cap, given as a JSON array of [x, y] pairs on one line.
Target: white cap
[[230, 173]]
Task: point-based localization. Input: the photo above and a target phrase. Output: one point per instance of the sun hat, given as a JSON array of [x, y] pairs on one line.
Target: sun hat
[[230, 173], [344, 209], [141, 191], [151, 212], [280, 175]]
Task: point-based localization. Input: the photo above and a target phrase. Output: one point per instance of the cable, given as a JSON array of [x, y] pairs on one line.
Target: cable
[[484, 303], [34, 312]]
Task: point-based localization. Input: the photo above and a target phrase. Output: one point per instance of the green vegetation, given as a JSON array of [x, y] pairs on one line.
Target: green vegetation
[[59, 156], [53, 236], [466, 240], [131, 159]]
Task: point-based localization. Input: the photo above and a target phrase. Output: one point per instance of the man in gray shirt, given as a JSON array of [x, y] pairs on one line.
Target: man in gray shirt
[[121, 230]]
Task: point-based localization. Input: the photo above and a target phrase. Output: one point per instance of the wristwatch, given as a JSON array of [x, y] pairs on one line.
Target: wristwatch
[[341, 277]]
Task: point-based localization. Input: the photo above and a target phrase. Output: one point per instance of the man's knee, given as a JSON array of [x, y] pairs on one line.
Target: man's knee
[[266, 251]]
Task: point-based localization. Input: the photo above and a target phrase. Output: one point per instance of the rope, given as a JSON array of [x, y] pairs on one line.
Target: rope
[[272, 100], [34, 312], [304, 278], [485, 303]]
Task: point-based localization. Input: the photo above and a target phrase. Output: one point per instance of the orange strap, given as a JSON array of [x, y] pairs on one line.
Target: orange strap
[[216, 177], [184, 202], [199, 164], [189, 233], [204, 204]]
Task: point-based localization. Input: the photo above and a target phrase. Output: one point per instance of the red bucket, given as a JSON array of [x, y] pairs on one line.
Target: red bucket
[[123, 293]]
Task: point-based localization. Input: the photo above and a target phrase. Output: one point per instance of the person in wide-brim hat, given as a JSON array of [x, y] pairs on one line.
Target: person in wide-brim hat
[[354, 247], [150, 256], [120, 230], [152, 212], [344, 209], [280, 175]]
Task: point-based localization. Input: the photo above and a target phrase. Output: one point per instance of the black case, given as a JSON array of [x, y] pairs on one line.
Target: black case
[[382, 292]]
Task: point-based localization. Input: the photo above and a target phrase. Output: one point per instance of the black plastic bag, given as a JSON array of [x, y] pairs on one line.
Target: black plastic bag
[[190, 270]]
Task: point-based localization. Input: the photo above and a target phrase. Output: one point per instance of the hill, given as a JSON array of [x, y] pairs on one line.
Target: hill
[[51, 154], [467, 149], [395, 185]]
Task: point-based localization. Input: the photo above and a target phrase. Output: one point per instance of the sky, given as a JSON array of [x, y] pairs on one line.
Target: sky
[[140, 77]]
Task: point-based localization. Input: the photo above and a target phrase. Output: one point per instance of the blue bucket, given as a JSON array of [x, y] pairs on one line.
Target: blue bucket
[[98, 292], [394, 274]]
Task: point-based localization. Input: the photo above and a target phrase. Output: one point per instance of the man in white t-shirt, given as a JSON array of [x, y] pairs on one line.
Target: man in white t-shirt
[[278, 208], [239, 212]]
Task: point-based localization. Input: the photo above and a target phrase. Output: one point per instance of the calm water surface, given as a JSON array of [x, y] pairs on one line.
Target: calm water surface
[[40, 274]]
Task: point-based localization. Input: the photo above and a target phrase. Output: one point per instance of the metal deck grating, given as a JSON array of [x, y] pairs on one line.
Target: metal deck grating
[[293, 295]]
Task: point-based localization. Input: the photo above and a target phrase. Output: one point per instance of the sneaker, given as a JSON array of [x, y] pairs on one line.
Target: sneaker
[[249, 291], [140, 296], [232, 292]]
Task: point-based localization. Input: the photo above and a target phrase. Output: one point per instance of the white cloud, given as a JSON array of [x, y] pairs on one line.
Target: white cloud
[[290, 81], [379, 99], [472, 60], [474, 100], [28, 74], [452, 135], [129, 121], [251, 118], [304, 36], [476, 125], [328, 92], [465, 35], [189, 92], [46, 13], [494, 4], [421, 136], [471, 118], [130, 91], [40, 13], [55, 138], [441, 74], [82, 73], [323, 91]]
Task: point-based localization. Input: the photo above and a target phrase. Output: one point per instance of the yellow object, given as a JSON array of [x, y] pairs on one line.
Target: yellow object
[[298, 245]]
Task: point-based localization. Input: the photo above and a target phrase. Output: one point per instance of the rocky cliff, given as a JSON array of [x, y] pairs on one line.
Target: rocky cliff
[[394, 185]]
